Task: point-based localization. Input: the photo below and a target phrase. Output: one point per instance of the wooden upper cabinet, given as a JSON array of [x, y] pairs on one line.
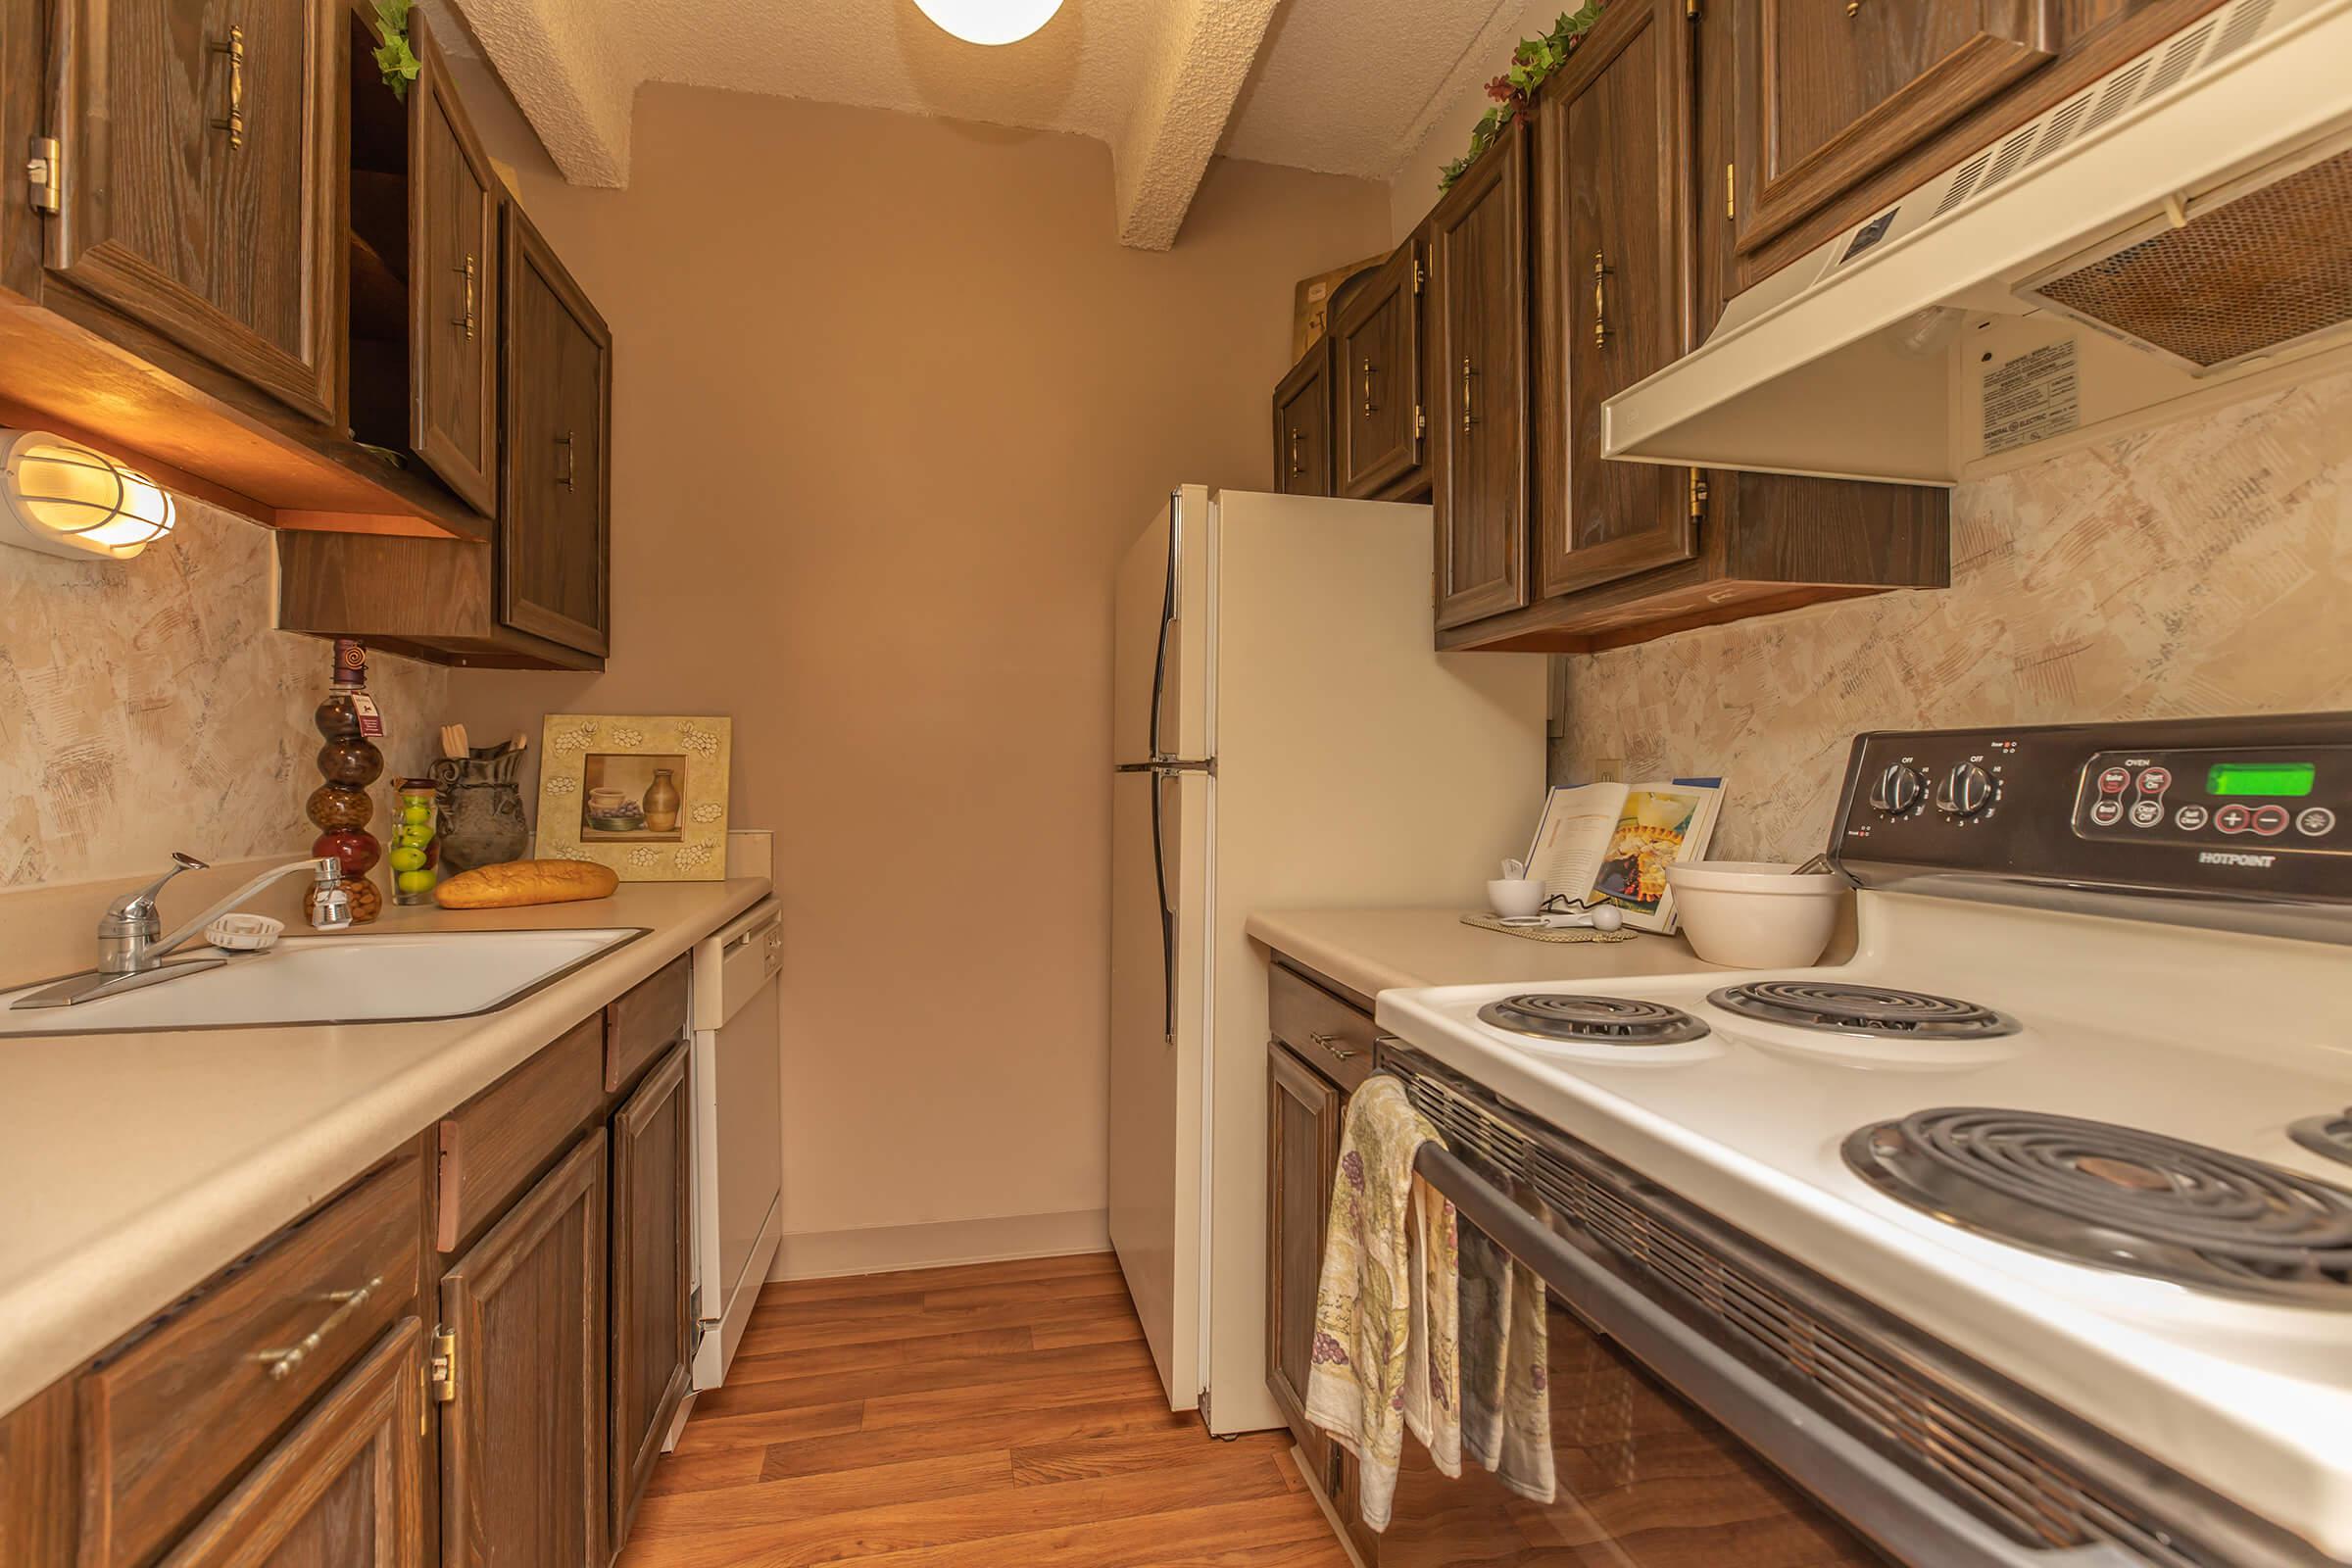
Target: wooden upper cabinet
[[1832, 90], [1380, 424], [522, 1435], [1302, 425], [346, 1486], [201, 154], [555, 517], [452, 331], [1614, 292], [1478, 384]]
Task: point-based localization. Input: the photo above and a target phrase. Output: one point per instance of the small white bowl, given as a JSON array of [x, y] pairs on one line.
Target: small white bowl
[[1514, 898], [1753, 914]]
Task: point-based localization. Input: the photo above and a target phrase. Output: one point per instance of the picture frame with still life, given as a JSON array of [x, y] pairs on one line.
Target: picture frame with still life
[[644, 793]]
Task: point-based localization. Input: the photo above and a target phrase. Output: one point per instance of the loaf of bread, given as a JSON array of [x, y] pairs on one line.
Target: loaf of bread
[[522, 882]]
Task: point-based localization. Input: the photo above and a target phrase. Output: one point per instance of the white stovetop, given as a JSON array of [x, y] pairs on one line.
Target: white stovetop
[[2217, 1039]]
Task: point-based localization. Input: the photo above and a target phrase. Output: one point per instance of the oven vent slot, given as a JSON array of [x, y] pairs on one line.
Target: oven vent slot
[[2034, 1497], [2059, 131]]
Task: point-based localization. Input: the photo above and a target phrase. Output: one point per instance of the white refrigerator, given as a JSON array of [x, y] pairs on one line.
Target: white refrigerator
[[1285, 737]]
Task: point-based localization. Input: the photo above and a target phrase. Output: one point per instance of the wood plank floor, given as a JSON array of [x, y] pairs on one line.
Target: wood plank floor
[[981, 1417]]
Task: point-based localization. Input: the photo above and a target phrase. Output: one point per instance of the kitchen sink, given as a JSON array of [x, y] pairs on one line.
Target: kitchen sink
[[338, 979]]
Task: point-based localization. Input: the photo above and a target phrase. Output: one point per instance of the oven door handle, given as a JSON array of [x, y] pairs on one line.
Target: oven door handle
[[1877, 1496]]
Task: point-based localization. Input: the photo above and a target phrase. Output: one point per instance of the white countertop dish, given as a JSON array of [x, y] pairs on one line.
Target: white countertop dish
[[136, 1164]]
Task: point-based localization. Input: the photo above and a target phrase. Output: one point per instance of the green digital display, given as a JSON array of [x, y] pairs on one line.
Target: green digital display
[[2277, 779]]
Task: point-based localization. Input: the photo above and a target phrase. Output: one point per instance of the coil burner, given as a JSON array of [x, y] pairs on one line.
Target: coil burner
[[1592, 1020], [1877, 1012], [2116, 1198]]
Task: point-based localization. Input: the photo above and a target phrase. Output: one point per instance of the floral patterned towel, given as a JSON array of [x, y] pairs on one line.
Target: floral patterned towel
[[1386, 1309], [1507, 1345]]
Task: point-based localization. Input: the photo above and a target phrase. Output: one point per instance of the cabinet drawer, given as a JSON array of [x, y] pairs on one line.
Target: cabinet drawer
[[1328, 1034], [509, 1131], [175, 1415], [645, 1022]]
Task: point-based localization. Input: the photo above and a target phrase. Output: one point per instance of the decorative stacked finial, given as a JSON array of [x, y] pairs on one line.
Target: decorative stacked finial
[[349, 722]]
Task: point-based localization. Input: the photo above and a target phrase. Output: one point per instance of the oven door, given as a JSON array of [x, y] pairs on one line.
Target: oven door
[[1668, 1450]]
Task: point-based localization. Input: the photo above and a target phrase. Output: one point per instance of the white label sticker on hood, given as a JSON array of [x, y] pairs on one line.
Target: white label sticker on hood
[[2031, 398]]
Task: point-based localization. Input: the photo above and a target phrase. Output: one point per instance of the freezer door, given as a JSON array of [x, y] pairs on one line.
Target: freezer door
[[1159, 652], [1159, 826]]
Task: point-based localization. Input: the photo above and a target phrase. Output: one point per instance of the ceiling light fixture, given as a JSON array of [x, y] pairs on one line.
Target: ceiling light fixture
[[63, 499], [990, 21]]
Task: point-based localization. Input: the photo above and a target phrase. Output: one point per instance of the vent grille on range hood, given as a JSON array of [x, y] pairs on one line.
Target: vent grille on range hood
[[2175, 236]]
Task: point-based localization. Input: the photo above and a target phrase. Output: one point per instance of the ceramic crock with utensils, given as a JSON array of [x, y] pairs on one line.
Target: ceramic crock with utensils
[[481, 820]]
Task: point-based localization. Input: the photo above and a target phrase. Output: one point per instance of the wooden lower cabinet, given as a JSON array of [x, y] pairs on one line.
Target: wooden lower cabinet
[[1319, 1053], [523, 1451], [1302, 1154], [345, 1488], [653, 1324]]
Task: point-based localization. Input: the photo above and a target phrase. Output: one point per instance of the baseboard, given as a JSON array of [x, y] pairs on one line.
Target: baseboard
[[887, 1249]]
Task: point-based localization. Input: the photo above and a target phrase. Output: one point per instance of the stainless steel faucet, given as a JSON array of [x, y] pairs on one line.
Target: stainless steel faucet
[[131, 951]]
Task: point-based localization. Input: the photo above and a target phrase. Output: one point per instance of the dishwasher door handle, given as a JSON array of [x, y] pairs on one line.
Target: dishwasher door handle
[[1872, 1491]]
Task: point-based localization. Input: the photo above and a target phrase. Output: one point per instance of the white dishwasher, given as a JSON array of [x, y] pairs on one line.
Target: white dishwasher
[[738, 1128]]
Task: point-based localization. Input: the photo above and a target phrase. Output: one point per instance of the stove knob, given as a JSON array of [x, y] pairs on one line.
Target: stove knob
[[1899, 789], [1966, 791]]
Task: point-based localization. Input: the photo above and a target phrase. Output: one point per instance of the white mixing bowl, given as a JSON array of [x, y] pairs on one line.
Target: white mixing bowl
[[1753, 914]]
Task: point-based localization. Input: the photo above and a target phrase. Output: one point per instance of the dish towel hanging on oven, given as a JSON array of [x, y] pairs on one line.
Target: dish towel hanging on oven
[[1385, 1350], [1507, 1347]]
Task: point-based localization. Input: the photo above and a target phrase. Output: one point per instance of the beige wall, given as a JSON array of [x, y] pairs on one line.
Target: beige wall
[[2201, 567], [146, 707], [890, 399]]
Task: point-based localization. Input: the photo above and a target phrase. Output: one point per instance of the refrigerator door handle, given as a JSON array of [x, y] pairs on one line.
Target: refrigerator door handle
[[1167, 914], [1167, 616]]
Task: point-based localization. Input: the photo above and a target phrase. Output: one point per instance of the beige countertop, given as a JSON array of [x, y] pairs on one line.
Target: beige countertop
[[137, 1164], [1371, 950]]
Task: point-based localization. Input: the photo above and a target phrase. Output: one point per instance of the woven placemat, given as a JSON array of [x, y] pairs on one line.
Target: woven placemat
[[1540, 933]]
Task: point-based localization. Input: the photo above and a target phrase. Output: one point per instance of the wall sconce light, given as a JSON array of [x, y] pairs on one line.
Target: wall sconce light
[[62, 499], [990, 21]]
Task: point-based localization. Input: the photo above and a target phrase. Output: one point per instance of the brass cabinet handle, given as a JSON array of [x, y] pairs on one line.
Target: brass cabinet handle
[[466, 321], [1600, 302], [234, 125], [1368, 404], [1297, 463], [1331, 1044], [570, 461], [1468, 418], [281, 1363]]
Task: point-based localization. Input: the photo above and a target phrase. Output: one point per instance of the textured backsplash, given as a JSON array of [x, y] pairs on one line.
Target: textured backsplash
[[2202, 567], [147, 706]]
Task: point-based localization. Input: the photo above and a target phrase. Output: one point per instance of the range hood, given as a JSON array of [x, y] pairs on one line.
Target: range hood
[[2175, 236]]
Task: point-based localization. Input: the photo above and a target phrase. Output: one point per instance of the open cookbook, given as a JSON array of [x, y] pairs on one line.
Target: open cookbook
[[1613, 842]]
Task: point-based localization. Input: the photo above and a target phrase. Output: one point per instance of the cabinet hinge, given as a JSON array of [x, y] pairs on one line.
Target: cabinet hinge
[[44, 174], [1730, 190], [1420, 422], [443, 1368], [1420, 278], [1698, 495], [1690, 9]]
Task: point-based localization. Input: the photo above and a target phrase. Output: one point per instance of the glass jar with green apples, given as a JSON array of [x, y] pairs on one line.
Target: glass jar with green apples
[[416, 857]]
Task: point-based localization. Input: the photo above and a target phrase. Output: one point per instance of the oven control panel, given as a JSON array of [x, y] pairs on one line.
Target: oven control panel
[[2241, 809], [2272, 797]]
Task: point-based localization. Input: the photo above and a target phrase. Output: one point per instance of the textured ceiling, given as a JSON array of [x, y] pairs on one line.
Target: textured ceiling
[[1346, 86]]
